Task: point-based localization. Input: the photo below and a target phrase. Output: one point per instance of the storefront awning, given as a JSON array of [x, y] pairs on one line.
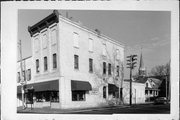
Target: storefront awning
[[80, 85], [42, 86], [112, 88]]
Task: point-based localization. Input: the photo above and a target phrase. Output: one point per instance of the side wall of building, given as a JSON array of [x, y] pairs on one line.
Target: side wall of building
[[138, 93], [95, 78]]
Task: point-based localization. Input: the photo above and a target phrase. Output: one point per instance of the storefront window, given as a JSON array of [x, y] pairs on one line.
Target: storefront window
[[78, 95], [47, 96]]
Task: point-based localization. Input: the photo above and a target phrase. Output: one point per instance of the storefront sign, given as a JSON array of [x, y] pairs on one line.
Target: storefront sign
[[95, 91]]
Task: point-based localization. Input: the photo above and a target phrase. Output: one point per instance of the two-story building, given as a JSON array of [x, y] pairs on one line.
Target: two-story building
[[71, 66]]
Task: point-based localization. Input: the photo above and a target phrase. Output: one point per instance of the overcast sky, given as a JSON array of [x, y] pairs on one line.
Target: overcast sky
[[147, 29]]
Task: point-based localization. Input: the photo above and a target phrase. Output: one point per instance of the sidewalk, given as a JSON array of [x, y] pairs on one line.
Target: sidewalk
[[47, 110]]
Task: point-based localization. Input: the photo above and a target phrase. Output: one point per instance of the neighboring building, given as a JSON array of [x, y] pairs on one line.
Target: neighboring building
[[151, 87], [138, 92], [72, 66]]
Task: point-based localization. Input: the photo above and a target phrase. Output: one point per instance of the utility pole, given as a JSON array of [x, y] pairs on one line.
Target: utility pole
[[166, 87], [22, 77], [131, 64]]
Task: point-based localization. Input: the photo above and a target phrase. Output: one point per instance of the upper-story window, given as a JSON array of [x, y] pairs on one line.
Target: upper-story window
[[117, 54], [19, 77], [104, 92], [104, 49], [53, 37], [109, 69], [44, 40], [90, 45], [117, 70], [90, 65], [146, 84], [29, 74], [45, 64], [76, 62], [104, 67], [54, 61], [76, 39], [37, 65], [24, 75], [37, 44]]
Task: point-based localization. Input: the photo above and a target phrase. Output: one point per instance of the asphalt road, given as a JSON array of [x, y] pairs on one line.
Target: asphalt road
[[123, 109], [135, 109]]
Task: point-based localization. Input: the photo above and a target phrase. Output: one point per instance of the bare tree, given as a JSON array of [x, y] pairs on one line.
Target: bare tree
[[160, 70], [117, 73]]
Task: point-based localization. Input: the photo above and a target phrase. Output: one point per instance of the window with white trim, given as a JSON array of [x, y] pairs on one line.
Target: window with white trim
[[45, 63], [76, 39], [117, 54], [54, 61], [90, 45], [104, 49], [76, 62], [90, 65], [19, 77], [37, 65], [36, 44], [53, 37], [29, 74], [44, 40], [104, 68]]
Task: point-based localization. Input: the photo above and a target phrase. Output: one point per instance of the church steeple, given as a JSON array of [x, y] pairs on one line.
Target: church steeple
[[142, 69]]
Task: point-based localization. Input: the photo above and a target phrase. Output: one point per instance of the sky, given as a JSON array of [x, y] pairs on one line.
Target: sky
[[140, 31]]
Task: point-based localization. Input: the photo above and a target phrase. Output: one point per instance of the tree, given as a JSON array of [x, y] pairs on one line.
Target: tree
[[160, 70], [163, 72], [117, 70]]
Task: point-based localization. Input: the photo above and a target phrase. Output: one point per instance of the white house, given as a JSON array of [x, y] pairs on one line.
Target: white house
[[72, 66]]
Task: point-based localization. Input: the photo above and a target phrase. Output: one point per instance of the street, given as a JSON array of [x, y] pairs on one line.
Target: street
[[138, 109], [123, 109]]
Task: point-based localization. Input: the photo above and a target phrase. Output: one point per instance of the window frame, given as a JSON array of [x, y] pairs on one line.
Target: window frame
[[37, 66], [104, 92], [109, 69], [117, 54], [19, 77], [76, 62], [75, 40], [104, 49], [24, 74], [45, 63], [29, 74], [45, 40], [90, 45], [54, 61], [90, 65], [37, 44], [78, 93], [117, 71], [53, 37], [104, 68]]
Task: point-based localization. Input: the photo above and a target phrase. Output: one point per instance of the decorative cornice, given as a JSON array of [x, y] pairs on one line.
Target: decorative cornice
[[45, 23]]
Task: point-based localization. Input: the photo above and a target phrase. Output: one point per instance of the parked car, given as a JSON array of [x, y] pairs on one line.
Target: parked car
[[161, 100]]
